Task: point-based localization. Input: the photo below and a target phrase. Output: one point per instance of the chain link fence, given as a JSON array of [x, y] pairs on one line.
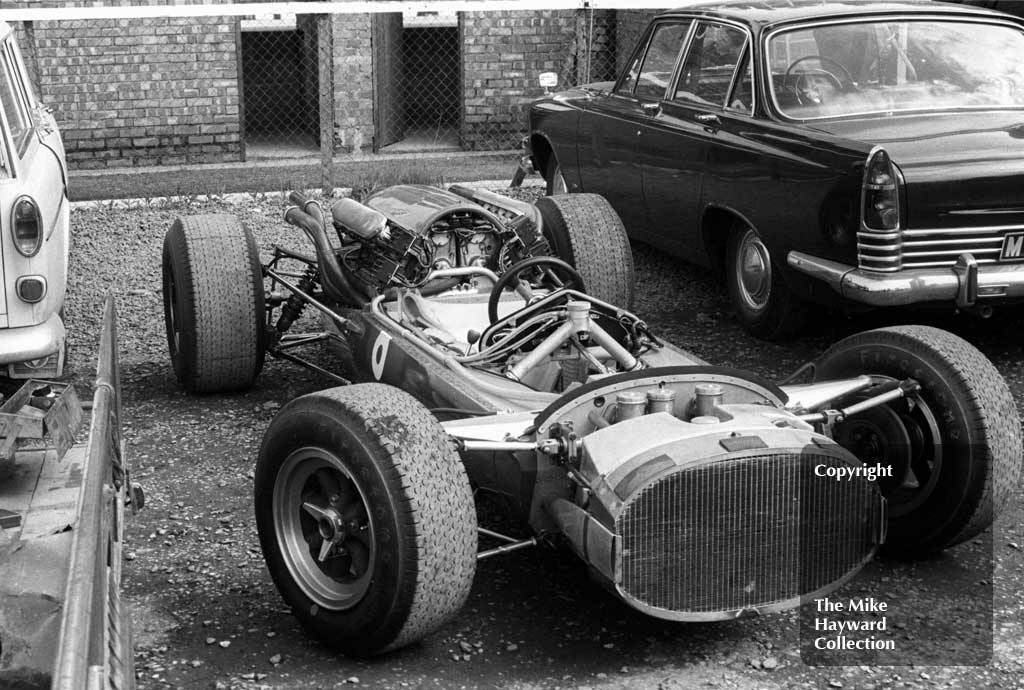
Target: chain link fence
[[140, 89]]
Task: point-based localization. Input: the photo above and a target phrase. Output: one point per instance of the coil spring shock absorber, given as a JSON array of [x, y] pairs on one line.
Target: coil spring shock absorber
[[291, 310]]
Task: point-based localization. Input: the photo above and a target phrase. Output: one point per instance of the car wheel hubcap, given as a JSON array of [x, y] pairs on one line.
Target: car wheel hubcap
[[753, 271], [558, 185], [324, 529], [171, 309]]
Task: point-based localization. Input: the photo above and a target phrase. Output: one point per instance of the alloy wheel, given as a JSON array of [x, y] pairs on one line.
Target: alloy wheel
[[324, 528]]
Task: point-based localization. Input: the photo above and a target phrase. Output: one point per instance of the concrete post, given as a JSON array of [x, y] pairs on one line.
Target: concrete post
[[325, 59]]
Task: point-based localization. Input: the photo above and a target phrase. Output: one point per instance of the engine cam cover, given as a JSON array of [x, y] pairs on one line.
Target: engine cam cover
[[417, 207], [709, 521]]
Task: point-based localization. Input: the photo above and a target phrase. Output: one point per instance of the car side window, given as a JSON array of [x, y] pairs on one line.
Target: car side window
[[20, 70], [709, 66], [742, 98], [649, 75], [12, 100]]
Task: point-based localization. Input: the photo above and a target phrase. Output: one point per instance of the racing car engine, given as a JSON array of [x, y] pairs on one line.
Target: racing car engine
[[402, 234], [463, 239]]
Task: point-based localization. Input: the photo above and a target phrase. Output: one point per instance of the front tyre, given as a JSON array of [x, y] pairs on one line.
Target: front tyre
[[214, 307], [365, 517], [586, 232], [955, 449], [761, 300]]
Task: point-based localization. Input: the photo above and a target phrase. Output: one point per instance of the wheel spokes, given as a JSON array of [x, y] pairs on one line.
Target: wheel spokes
[[325, 550], [359, 554], [325, 528], [919, 475], [907, 440], [315, 511], [171, 300], [359, 536], [354, 513], [328, 482]]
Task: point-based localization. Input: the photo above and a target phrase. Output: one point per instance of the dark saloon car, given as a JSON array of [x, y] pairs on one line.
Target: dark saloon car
[[1014, 7], [869, 154]]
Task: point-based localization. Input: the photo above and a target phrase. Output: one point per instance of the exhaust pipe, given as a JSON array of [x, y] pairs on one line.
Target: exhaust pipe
[[335, 284]]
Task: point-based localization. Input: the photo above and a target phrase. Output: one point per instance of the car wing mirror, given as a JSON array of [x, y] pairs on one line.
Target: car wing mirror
[[548, 80]]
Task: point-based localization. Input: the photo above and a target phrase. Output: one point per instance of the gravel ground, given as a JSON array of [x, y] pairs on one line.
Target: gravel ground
[[206, 614]]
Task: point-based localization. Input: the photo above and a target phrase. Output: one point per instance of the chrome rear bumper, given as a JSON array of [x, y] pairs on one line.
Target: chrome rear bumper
[[962, 285]]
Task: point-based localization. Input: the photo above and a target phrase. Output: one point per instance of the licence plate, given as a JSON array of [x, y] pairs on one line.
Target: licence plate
[[1013, 247]]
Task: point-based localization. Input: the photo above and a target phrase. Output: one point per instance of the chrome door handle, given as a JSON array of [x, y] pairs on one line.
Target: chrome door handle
[[707, 119], [650, 108]]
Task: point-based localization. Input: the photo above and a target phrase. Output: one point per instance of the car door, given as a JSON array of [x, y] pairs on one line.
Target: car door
[[682, 132], [611, 148]]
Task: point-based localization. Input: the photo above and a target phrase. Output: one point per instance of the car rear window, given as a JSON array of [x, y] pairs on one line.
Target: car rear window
[[890, 66]]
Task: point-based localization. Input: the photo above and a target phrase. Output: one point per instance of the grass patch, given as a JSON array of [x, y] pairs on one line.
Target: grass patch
[[390, 173]]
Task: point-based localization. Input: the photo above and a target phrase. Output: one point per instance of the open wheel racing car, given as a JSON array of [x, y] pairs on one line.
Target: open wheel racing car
[[502, 356]]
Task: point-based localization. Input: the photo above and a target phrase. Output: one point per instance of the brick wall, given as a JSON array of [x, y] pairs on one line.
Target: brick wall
[[503, 54], [132, 92], [166, 91], [353, 83]]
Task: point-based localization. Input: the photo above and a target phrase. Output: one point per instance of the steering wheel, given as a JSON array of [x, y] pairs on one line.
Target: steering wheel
[[537, 271], [803, 93]]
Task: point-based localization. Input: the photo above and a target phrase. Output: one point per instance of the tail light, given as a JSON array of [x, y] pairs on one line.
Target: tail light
[[881, 198], [31, 289], [26, 226]]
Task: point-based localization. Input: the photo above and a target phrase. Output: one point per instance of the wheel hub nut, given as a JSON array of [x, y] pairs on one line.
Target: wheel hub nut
[[330, 525]]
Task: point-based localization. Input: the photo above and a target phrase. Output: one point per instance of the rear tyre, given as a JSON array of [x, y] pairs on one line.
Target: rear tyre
[[214, 306], [365, 517], [955, 452], [586, 232], [763, 303]]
